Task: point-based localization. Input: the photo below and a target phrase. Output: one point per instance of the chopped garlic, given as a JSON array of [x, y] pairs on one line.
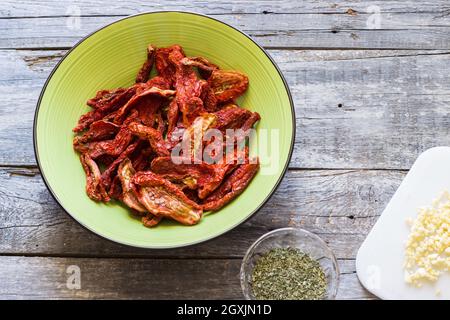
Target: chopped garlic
[[427, 253]]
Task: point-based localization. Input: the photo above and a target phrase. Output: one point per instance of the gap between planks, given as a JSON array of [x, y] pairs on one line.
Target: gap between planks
[[264, 12], [41, 8], [141, 257], [267, 47], [401, 31], [32, 170]]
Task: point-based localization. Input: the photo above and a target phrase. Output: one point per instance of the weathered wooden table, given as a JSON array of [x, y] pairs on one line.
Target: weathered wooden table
[[372, 90]]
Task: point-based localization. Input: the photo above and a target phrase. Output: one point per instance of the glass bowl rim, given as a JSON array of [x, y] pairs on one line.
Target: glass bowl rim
[[323, 244]]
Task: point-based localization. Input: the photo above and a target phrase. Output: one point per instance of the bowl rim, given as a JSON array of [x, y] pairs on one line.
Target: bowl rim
[[242, 273], [54, 70]]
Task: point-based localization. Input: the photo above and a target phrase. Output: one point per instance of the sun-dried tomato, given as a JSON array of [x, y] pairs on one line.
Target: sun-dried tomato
[[141, 157], [110, 106], [234, 117], [191, 108], [144, 72], [195, 133], [204, 177], [172, 118], [150, 220], [113, 147], [162, 198], [228, 84], [189, 89], [98, 130], [152, 135], [110, 171], [160, 123], [103, 97], [157, 81], [208, 97], [231, 117], [125, 174], [94, 186], [166, 67], [146, 103], [205, 68], [250, 122], [233, 186], [115, 191]]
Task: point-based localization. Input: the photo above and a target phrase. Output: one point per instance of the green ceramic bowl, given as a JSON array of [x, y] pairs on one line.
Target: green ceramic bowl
[[110, 58]]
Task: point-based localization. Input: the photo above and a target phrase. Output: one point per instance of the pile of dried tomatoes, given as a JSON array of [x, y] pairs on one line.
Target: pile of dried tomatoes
[[127, 141]]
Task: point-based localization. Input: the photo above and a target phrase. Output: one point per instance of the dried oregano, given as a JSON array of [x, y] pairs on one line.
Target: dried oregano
[[288, 274]]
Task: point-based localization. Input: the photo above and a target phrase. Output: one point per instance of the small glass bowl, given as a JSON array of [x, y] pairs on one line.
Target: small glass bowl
[[303, 240]]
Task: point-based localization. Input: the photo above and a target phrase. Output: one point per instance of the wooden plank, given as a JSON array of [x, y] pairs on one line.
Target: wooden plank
[[380, 109], [37, 64], [340, 206], [47, 278], [40, 8], [428, 30]]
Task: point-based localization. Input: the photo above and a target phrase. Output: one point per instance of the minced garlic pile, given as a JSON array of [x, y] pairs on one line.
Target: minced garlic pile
[[428, 247]]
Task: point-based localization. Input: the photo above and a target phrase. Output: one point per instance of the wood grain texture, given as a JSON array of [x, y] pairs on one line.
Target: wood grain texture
[[429, 30], [44, 8], [46, 278], [341, 206], [348, 105]]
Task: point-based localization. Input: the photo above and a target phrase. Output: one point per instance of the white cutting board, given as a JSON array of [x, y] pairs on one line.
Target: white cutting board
[[380, 259]]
